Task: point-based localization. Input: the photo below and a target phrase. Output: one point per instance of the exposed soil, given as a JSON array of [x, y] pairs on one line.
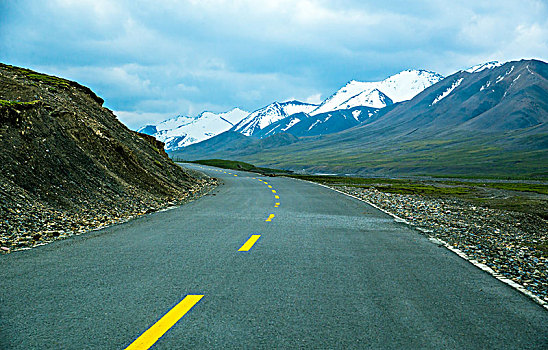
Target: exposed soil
[[68, 165]]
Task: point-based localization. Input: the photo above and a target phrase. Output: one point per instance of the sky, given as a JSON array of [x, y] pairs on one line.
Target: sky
[[152, 60]]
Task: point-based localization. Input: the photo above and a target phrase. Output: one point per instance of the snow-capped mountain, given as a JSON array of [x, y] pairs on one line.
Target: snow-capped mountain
[[396, 88], [267, 115], [493, 120], [182, 131], [303, 124], [308, 118], [482, 66], [375, 95]]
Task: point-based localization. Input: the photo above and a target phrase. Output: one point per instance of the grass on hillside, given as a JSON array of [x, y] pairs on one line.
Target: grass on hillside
[[514, 157], [41, 78], [10, 103], [237, 165]]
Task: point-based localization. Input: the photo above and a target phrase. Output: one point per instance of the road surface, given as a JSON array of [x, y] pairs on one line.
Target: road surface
[[323, 271]]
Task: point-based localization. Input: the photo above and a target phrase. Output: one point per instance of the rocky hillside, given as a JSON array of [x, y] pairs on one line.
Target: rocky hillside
[[68, 165]]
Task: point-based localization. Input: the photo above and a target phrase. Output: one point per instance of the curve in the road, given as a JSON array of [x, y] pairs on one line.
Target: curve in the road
[[158, 329], [326, 272]]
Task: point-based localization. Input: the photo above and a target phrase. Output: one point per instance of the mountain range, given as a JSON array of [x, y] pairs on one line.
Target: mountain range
[[354, 103], [182, 131], [490, 119]]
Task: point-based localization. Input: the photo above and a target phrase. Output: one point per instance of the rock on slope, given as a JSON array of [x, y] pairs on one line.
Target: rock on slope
[[69, 165]]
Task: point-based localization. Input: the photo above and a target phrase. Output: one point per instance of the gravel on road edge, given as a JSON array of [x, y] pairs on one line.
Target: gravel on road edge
[[46, 225]]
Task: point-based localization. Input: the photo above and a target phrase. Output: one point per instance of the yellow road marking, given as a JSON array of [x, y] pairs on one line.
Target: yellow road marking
[[270, 217], [235, 175], [151, 335], [273, 191], [269, 186], [277, 204], [277, 197], [250, 242], [266, 183]]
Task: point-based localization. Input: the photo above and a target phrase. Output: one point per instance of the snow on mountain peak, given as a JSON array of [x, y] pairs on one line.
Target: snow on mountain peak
[[399, 87], [267, 115], [232, 117], [482, 66], [182, 131], [407, 84]]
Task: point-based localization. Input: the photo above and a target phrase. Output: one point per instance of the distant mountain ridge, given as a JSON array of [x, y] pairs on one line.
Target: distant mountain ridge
[[182, 131], [490, 119], [303, 124], [272, 113], [296, 117], [396, 88]]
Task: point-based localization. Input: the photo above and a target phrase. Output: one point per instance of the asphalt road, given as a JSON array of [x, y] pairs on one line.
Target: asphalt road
[[328, 272]]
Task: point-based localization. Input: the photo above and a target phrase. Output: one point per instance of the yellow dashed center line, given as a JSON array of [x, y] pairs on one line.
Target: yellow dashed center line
[[235, 175], [250, 242], [270, 217], [277, 197], [266, 183], [273, 191], [151, 335], [269, 186]]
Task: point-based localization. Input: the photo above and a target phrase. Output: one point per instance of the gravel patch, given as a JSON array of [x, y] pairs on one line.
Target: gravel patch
[[28, 223]]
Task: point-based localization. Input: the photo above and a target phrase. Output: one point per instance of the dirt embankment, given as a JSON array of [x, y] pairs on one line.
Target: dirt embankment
[[68, 164]]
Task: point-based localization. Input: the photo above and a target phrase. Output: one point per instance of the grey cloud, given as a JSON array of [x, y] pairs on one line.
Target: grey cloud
[[150, 59]]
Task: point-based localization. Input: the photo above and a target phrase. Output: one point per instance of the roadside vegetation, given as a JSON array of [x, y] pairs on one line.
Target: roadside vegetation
[[521, 197]]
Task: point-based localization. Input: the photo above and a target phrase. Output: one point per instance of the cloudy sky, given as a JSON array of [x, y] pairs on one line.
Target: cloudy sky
[[151, 60]]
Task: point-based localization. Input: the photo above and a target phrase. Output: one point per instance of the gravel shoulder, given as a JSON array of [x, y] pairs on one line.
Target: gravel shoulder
[[28, 223]]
